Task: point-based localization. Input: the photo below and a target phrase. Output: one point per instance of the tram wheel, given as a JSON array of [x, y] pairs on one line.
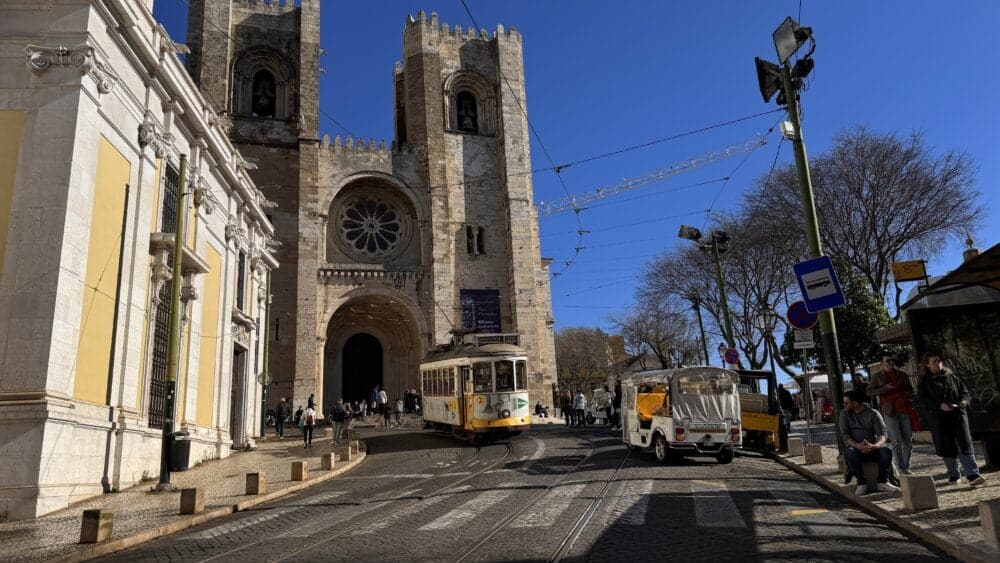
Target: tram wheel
[[661, 448]]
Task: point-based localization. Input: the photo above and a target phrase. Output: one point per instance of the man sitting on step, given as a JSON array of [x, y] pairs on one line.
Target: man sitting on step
[[865, 433]]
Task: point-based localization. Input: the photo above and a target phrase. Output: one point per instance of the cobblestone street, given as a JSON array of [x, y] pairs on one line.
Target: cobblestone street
[[551, 494]]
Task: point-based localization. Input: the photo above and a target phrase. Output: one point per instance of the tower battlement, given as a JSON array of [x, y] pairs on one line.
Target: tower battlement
[[267, 6], [431, 29]]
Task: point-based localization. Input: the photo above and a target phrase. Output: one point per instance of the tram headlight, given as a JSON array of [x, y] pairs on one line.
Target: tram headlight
[[505, 413]]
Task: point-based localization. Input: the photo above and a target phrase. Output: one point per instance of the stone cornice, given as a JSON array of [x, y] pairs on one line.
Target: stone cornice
[[84, 57]]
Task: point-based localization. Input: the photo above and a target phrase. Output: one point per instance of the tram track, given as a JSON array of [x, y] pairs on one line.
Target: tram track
[[394, 494], [414, 499], [577, 527]]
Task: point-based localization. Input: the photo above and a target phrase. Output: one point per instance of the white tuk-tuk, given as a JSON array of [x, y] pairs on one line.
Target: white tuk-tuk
[[683, 412]]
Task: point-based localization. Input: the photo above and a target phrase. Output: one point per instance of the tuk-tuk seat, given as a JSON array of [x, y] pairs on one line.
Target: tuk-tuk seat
[[650, 404]]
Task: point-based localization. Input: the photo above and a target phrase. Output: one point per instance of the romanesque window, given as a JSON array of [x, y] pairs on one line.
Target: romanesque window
[[475, 240], [263, 94], [470, 104], [263, 85], [468, 113]]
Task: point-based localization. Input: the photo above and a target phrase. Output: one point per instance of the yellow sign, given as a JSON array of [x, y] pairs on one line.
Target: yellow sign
[[909, 270]]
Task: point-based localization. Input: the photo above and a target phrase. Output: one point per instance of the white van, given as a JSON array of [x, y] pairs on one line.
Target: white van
[[683, 412]]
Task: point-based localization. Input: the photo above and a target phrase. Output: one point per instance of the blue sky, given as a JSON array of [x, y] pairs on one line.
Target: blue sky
[[605, 75]]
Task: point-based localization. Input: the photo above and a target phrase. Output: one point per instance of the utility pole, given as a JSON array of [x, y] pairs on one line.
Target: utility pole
[[174, 336], [266, 379], [787, 79]]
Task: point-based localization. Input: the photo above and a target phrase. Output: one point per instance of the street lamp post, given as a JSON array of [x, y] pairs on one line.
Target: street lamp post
[[696, 305], [716, 244], [786, 81]]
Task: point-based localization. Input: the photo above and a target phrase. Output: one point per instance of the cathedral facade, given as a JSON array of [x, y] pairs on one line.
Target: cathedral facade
[[388, 250]]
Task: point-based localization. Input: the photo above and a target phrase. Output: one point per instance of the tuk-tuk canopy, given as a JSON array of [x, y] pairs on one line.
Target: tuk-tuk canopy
[[697, 393]]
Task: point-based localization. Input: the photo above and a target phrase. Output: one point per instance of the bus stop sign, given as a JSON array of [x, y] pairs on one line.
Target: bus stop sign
[[819, 285]]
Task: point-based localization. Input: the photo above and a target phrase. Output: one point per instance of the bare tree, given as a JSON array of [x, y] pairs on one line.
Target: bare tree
[[585, 356], [661, 327], [881, 198]]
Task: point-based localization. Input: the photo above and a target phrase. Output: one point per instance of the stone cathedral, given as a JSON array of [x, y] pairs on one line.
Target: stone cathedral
[[387, 250]]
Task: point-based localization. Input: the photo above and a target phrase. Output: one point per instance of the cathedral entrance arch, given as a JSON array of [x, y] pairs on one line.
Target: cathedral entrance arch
[[372, 338], [361, 366]]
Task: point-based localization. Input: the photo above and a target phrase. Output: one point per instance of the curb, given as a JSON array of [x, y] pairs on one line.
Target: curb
[[120, 544], [973, 553]]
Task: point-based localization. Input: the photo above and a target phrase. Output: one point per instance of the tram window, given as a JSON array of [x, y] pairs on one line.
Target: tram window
[[437, 382], [521, 371], [451, 381], [505, 375], [482, 377]]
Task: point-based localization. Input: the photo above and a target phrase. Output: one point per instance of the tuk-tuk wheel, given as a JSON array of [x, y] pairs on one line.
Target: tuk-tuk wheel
[[661, 448], [725, 456], [590, 419]]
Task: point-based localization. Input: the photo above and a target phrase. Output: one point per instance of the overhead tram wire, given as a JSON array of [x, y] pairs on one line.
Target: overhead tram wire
[[314, 103]]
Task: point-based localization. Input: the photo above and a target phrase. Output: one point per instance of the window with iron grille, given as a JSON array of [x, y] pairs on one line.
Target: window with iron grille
[[168, 216], [241, 281], [158, 374]]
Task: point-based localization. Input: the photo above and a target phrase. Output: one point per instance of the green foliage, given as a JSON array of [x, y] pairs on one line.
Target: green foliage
[[858, 324]]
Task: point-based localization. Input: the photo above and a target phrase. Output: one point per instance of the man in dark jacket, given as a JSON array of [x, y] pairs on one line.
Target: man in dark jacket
[[947, 398], [280, 415]]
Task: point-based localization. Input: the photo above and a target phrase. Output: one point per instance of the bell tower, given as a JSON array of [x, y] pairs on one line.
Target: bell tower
[[257, 63]]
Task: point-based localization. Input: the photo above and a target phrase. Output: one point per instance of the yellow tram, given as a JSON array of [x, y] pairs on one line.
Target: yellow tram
[[477, 388]]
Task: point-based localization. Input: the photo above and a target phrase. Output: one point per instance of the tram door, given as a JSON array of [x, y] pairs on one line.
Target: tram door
[[465, 397]]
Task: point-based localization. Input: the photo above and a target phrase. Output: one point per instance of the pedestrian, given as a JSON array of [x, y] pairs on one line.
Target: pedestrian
[[947, 400], [298, 416], [339, 416], [609, 394], [280, 416], [306, 424], [311, 402], [383, 400], [858, 382], [616, 403], [399, 412], [579, 408], [894, 391], [865, 434], [566, 406], [386, 415]]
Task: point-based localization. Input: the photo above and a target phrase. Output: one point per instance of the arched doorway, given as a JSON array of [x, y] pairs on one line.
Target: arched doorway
[[362, 366]]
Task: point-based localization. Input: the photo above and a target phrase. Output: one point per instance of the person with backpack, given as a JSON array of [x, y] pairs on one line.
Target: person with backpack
[[339, 416], [306, 424]]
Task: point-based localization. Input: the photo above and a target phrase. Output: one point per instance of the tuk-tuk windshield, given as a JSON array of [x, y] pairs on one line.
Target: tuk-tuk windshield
[[705, 396]]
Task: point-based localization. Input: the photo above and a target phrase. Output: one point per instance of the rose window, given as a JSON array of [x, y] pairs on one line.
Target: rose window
[[371, 228]]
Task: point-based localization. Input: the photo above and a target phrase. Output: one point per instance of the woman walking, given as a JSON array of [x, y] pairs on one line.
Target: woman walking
[[947, 398]]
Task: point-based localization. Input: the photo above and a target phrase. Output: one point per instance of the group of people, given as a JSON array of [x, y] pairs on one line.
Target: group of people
[[885, 434], [573, 406]]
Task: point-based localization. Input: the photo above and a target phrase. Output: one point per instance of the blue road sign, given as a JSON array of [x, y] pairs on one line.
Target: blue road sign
[[819, 285], [800, 317]]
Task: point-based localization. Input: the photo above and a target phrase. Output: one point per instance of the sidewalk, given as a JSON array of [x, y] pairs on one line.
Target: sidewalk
[[953, 527], [142, 514]]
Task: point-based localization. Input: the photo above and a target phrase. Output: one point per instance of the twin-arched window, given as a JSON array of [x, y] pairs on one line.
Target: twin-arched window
[[470, 104], [263, 86], [468, 113]]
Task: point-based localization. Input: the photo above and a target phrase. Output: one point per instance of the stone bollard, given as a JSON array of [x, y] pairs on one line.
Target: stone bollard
[[814, 454], [355, 446], [344, 453], [256, 483], [918, 492], [989, 514], [796, 447], [97, 525], [871, 471], [327, 461], [192, 501], [300, 471]]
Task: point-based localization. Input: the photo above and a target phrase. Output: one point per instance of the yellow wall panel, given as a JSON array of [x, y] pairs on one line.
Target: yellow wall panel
[[11, 125], [101, 278], [209, 337]]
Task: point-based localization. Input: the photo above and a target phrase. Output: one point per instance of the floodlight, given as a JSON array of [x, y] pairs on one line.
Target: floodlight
[[689, 233], [788, 130], [788, 38], [768, 78], [803, 67]]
